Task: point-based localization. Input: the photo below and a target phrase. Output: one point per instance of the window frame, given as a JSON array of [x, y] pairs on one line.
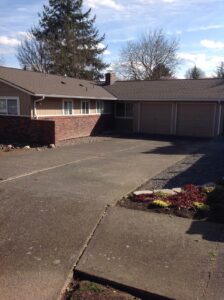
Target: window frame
[[89, 107], [125, 111], [6, 98], [101, 110], [64, 114]]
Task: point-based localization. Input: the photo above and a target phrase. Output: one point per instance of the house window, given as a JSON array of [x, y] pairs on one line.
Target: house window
[[124, 110], [85, 108], [99, 107], [68, 107], [9, 106]]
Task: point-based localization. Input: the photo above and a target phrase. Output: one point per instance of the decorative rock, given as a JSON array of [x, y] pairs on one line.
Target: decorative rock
[[9, 147], [177, 190], [165, 191], [52, 146], [137, 193], [26, 147]]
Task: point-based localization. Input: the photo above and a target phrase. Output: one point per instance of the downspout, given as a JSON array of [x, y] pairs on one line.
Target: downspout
[[34, 106], [219, 117]]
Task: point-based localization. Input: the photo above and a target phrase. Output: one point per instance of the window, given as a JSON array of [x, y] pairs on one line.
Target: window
[[124, 110], [99, 107], [85, 108], [68, 107], [9, 106]]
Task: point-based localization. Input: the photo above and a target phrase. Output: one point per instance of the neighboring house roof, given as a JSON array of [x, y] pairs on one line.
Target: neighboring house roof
[[40, 84], [165, 90]]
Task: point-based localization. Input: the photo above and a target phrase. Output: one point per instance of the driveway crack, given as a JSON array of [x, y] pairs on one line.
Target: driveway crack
[[82, 252]]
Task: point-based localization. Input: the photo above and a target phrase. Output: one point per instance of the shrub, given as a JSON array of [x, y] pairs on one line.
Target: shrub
[[208, 189], [201, 206], [161, 203], [185, 199], [144, 198], [161, 195]]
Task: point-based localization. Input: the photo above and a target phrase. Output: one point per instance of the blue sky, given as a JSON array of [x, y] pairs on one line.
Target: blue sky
[[198, 24]]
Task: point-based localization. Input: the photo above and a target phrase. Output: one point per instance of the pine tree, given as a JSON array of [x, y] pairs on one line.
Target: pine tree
[[73, 43], [220, 71], [194, 73], [161, 71]]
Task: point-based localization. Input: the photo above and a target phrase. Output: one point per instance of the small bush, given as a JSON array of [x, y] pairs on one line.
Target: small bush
[[185, 199], [144, 198], [208, 189], [201, 206], [160, 203]]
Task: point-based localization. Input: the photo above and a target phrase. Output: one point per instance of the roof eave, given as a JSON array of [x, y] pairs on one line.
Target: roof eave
[[170, 99], [17, 87], [72, 97]]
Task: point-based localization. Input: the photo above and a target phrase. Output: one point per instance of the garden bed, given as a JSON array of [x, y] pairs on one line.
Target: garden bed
[[190, 201], [88, 290]]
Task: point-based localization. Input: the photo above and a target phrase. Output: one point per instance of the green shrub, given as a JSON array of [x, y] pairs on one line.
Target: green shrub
[[160, 203], [201, 206]]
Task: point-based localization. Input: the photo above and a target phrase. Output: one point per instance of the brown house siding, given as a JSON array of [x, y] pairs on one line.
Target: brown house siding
[[26, 130], [54, 107], [24, 99], [79, 126]]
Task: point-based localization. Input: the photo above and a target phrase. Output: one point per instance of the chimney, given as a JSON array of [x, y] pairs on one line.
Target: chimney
[[110, 78]]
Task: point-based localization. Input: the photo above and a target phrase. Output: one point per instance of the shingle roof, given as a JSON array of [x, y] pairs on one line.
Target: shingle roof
[[52, 85], [177, 89]]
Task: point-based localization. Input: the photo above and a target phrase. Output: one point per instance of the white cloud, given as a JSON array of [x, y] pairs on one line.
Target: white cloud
[[7, 41], [101, 46], [212, 44], [122, 40], [205, 28], [207, 63], [106, 3]]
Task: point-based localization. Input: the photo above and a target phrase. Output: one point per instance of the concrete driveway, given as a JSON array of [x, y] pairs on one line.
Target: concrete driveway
[[50, 202]]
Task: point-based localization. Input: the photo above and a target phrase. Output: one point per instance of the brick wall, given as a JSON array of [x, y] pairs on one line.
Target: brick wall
[[26, 130], [79, 126]]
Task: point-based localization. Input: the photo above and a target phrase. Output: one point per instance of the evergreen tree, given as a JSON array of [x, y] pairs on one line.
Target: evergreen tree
[[72, 43], [220, 71], [161, 71], [194, 73]]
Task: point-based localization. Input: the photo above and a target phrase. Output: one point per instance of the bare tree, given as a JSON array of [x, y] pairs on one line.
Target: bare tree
[[195, 73], [33, 54], [152, 57], [220, 70]]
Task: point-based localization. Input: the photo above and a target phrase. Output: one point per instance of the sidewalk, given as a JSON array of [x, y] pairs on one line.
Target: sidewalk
[[171, 257]]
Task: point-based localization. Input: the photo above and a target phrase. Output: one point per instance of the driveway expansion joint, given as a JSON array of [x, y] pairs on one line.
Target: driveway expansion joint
[[82, 252]]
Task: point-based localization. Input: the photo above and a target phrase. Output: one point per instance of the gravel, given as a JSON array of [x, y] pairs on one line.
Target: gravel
[[205, 165], [84, 140]]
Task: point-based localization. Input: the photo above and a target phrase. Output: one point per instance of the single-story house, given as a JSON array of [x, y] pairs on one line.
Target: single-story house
[[47, 109], [181, 107], [43, 108]]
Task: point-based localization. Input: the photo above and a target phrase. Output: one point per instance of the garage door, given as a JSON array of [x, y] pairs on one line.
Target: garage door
[[155, 118], [195, 119]]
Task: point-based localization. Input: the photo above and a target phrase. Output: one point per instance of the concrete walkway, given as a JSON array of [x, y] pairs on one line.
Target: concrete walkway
[[50, 201], [165, 256]]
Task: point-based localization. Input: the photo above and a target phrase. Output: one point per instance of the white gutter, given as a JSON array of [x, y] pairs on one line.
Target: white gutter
[[74, 97], [35, 107]]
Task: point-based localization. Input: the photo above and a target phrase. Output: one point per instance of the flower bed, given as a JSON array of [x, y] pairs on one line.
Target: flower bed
[[190, 201]]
